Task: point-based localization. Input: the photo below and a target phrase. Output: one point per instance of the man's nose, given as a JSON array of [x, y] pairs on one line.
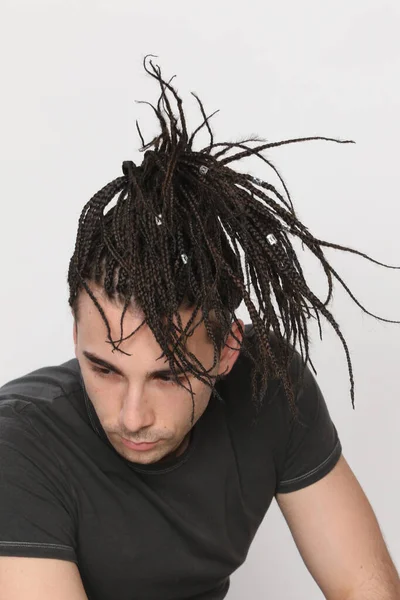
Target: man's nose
[[136, 412]]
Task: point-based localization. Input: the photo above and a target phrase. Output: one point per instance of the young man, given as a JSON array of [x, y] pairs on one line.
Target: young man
[[143, 467]]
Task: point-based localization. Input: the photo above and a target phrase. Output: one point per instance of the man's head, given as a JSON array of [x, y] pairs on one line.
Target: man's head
[[188, 240], [134, 393]]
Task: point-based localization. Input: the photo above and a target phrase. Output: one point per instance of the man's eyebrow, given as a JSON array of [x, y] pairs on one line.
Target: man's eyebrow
[[107, 365]]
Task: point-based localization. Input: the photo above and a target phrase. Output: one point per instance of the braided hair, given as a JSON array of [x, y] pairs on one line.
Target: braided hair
[[188, 231]]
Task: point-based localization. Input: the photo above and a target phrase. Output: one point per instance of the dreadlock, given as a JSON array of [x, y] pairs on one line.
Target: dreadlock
[[174, 240]]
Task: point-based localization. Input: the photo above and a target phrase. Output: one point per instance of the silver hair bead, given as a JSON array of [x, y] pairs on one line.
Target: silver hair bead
[[203, 170], [286, 226], [159, 219], [184, 258], [272, 239]]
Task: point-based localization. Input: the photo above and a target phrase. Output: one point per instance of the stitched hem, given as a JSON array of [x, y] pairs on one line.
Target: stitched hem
[[314, 475], [37, 550]]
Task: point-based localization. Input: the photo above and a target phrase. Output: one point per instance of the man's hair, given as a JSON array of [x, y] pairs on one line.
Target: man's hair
[[188, 231]]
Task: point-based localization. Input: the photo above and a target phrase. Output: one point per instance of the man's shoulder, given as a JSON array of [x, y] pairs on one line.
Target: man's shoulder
[[40, 388]]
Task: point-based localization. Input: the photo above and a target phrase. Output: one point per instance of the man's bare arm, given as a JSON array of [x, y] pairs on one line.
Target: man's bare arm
[[39, 579], [339, 539]]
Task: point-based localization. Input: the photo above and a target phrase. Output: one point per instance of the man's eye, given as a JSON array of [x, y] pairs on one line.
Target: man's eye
[[166, 379], [171, 380], [102, 371]]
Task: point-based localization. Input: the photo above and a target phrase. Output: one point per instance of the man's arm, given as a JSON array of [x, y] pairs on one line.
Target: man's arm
[[39, 579], [339, 539]]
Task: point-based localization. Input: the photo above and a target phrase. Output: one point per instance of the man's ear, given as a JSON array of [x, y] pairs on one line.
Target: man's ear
[[231, 350]]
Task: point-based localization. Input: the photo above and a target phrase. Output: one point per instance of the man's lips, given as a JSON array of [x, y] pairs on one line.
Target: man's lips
[[140, 447]]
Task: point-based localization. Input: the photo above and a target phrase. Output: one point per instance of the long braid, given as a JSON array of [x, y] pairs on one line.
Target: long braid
[[189, 231]]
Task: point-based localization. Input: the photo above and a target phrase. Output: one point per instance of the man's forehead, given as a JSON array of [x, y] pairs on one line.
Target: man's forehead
[[113, 307]]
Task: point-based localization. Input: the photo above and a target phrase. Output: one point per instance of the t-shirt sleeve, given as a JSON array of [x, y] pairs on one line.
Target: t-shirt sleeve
[[313, 446], [36, 511]]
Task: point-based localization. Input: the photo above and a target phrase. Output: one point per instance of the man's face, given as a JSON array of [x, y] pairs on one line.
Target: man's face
[[133, 401]]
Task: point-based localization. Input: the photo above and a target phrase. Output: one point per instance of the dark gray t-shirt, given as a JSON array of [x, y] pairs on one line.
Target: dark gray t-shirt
[[169, 531]]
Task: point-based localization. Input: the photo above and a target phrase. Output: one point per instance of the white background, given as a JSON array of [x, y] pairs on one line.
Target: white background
[[70, 73]]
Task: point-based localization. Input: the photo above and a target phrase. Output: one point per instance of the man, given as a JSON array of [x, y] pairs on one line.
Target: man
[[143, 467]]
